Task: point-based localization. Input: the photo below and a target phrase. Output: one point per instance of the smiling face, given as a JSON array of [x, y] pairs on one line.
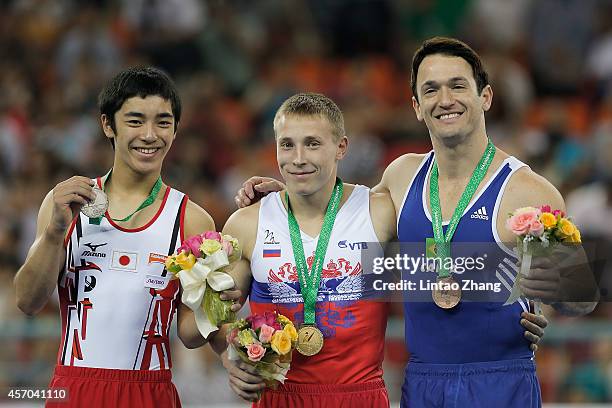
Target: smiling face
[[448, 99], [144, 133], [307, 152]]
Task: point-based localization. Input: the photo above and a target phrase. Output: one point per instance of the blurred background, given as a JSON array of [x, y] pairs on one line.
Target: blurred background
[[550, 64]]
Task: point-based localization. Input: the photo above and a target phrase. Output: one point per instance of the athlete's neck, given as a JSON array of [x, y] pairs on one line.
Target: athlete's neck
[[125, 181], [459, 161], [312, 206]]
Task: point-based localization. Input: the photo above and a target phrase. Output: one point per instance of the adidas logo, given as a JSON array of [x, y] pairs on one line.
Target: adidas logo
[[481, 214]]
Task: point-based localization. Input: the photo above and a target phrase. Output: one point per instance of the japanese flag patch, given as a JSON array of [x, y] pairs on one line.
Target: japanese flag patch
[[124, 261]]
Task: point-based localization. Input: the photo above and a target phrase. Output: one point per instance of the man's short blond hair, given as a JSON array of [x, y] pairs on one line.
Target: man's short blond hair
[[313, 104]]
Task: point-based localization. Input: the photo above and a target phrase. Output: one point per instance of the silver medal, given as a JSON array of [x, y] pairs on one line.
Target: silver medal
[[97, 207]]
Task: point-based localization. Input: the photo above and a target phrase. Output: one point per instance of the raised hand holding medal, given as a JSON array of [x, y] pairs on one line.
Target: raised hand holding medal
[[310, 339], [447, 292], [68, 197]]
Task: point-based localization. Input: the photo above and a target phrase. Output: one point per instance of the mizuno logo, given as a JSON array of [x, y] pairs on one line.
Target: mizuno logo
[[94, 248], [94, 254], [480, 214]]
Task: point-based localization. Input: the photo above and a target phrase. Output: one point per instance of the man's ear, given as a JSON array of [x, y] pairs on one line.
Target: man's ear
[[342, 148], [106, 126], [417, 109], [175, 130], [487, 97]]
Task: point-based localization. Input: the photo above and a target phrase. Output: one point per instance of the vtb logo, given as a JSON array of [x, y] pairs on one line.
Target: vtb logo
[[94, 248], [352, 245]]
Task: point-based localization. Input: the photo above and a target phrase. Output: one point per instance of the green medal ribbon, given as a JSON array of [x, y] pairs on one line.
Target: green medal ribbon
[[309, 280], [443, 241], [147, 202]]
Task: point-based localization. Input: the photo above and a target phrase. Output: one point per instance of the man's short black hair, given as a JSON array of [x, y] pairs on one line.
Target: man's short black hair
[[141, 82], [453, 48]]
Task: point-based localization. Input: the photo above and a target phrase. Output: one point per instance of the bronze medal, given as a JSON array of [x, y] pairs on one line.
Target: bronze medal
[[445, 297], [310, 340]]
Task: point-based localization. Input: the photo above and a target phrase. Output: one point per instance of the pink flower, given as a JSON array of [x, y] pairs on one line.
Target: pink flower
[[231, 337], [521, 221], [256, 321], [268, 318], [183, 248], [545, 208], [193, 244], [271, 320], [558, 213], [255, 351], [536, 228], [228, 248], [265, 333], [213, 235]]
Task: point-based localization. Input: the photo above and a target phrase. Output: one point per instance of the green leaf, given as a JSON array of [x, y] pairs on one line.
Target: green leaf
[[218, 311]]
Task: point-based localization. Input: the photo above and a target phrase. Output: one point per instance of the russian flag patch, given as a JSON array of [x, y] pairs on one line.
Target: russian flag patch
[[272, 253]]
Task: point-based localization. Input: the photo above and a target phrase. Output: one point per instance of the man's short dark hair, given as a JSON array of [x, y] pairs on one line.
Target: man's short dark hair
[[141, 82], [450, 47]]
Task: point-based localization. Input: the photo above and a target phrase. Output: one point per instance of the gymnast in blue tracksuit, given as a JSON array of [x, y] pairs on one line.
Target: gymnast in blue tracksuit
[[474, 354]]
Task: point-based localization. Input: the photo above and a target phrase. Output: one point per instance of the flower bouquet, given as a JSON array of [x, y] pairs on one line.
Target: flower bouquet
[[265, 342], [199, 263], [537, 230]]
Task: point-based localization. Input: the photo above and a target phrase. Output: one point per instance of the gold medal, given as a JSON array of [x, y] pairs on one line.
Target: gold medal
[[447, 293], [310, 340]]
